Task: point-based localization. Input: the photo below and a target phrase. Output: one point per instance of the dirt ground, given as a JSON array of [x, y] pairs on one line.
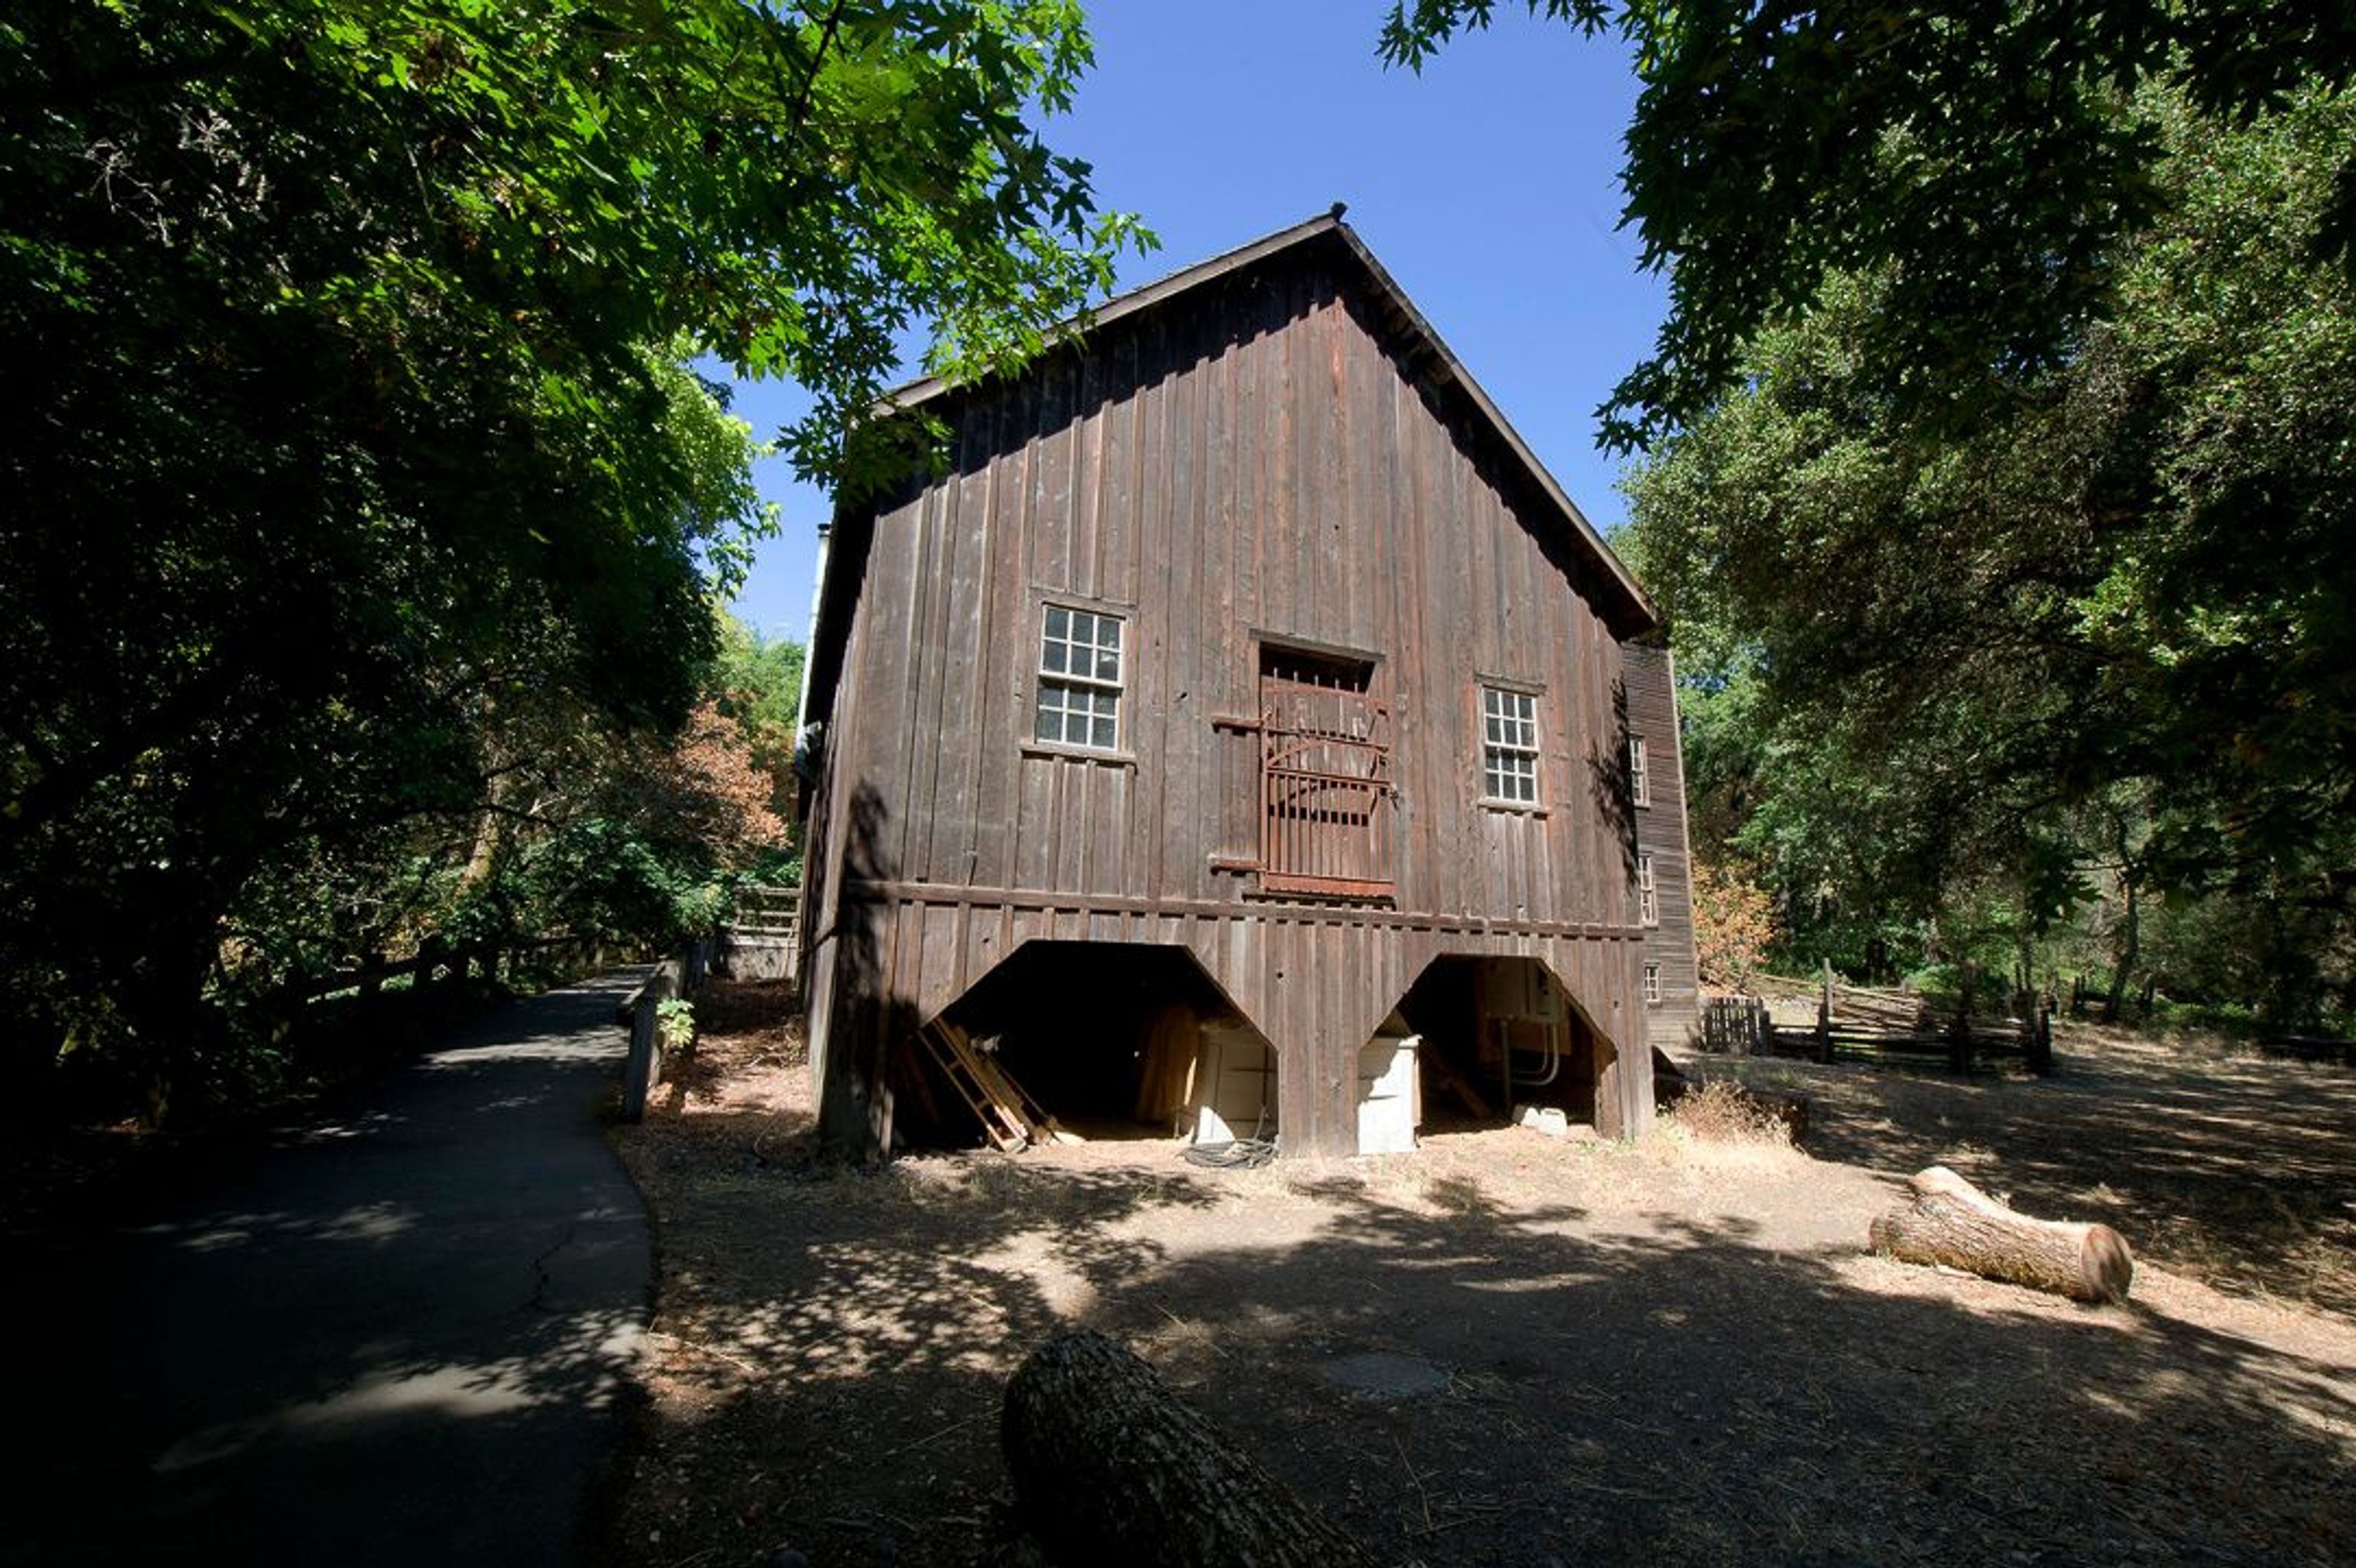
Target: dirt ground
[[1511, 1349]]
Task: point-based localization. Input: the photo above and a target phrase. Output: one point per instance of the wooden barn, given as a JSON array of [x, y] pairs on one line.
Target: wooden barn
[[1243, 734]]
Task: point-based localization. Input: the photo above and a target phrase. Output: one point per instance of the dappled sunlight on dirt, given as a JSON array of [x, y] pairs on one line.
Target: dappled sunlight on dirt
[[1671, 1353], [2237, 1168]]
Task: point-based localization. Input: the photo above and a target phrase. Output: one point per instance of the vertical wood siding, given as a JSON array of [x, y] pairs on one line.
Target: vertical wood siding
[[1253, 461], [1661, 831]]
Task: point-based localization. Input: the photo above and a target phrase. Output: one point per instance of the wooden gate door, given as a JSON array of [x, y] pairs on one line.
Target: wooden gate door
[[1326, 805]]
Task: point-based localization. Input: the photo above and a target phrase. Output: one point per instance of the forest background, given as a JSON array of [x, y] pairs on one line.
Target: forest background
[[373, 513]]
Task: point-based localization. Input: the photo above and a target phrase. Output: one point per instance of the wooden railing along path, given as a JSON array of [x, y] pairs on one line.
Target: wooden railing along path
[[440, 960]]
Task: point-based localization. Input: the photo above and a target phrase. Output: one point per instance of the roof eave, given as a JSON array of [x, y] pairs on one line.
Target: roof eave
[[1445, 368], [1452, 370]]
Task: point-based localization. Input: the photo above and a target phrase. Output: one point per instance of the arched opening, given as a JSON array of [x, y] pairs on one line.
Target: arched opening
[[1501, 1042], [1109, 1041]]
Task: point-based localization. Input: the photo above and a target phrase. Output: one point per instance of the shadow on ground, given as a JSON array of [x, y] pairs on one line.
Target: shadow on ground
[[835, 1343], [389, 1337]]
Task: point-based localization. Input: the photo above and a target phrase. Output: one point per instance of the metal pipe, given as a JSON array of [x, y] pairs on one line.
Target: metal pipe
[[810, 649], [1553, 1059]]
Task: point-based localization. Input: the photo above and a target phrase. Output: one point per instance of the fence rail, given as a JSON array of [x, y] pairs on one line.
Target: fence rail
[[1876, 1026], [679, 976], [763, 937], [439, 960]]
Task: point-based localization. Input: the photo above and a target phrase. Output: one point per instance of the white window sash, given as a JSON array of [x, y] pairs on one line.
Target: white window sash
[[1067, 683], [1509, 746]]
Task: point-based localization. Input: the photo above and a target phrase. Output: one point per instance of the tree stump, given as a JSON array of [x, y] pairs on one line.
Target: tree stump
[[1953, 1222], [1108, 1467]]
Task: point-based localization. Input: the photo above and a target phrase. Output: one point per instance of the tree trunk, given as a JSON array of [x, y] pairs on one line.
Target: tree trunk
[[2130, 948], [1953, 1222], [1108, 1467]]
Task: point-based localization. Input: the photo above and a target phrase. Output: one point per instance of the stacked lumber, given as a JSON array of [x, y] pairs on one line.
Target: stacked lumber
[[1010, 1118], [1899, 1011]]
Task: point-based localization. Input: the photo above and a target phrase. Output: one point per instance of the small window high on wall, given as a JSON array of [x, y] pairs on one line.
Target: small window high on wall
[[1648, 898], [1640, 778], [1080, 680], [1509, 746]]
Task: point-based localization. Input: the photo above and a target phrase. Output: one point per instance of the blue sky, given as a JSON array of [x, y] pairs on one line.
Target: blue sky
[[1488, 187]]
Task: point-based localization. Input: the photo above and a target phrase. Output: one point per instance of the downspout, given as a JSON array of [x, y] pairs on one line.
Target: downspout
[[810, 653], [809, 905]]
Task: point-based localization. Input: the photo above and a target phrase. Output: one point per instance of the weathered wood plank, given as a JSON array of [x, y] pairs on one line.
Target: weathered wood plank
[[1269, 468]]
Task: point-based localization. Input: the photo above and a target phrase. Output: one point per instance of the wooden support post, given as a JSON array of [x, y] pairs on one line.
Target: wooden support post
[[2038, 1049], [1824, 1017], [642, 1068]]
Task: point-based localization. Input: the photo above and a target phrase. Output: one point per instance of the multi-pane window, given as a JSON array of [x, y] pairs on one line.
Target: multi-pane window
[[1080, 680], [1640, 781], [1648, 900], [1509, 745], [1652, 984]]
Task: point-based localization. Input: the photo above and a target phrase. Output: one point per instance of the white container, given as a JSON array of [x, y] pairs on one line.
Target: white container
[[1389, 1082], [1235, 1087], [1547, 1119]]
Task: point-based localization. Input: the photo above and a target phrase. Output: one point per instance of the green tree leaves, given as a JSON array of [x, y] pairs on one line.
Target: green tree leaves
[[1976, 159], [2097, 639], [354, 464]]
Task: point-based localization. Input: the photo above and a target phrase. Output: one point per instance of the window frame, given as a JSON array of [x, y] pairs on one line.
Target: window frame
[[1640, 775], [1068, 682], [1653, 985], [1487, 687], [1648, 891]]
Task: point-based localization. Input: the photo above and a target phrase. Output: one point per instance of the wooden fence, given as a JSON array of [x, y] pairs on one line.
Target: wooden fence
[[441, 961], [763, 937], [438, 962], [1877, 1026], [2309, 1048]]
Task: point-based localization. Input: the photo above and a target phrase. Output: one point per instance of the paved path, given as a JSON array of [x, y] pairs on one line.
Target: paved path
[[393, 1337]]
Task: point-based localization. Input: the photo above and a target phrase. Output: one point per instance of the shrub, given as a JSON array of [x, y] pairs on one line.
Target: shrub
[[1723, 1112]]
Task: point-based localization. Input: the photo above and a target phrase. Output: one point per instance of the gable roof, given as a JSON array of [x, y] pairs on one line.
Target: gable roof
[[1421, 352], [1430, 358]]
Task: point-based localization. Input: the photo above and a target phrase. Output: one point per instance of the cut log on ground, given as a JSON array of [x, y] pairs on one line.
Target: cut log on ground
[[1953, 1222], [1108, 1467]]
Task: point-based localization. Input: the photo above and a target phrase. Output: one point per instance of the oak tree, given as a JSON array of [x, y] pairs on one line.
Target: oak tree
[[349, 423], [1985, 161]]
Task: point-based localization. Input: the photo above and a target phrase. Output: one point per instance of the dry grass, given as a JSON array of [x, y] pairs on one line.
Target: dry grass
[[2227, 1167], [1671, 1353], [1723, 1112]]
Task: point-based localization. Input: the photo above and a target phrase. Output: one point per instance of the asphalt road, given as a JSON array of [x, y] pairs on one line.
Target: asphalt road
[[394, 1337]]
